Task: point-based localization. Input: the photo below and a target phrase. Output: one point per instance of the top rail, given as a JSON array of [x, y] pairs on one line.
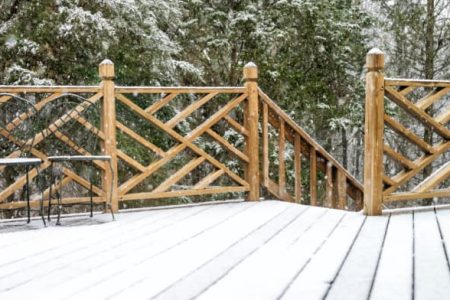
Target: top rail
[[181, 90], [49, 89], [416, 82]]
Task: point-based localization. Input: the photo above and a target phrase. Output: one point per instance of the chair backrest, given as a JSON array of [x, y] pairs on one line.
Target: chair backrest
[[18, 126], [72, 123]]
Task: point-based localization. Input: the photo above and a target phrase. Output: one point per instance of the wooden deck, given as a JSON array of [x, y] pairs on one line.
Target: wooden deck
[[246, 250]]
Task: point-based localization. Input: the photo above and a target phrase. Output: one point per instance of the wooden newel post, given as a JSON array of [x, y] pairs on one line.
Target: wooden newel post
[[106, 71], [251, 122], [374, 133]]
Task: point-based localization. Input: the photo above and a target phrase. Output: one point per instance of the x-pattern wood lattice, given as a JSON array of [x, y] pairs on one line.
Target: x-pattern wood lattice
[[51, 130], [401, 93], [208, 144], [203, 186]]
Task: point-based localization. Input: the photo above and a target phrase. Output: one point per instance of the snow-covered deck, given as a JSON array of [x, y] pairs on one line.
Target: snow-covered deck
[[265, 250]]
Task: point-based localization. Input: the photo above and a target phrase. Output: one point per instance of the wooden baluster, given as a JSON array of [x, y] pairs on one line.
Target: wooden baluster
[[265, 143], [251, 118], [298, 168], [373, 133], [281, 159], [341, 189], [106, 71], [329, 184], [313, 175]]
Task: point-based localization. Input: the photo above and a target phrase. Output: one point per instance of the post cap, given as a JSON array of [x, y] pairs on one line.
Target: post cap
[[250, 72], [106, 70], [375, 60]]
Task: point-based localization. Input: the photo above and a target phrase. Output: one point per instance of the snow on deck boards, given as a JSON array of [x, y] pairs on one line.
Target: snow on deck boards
[[244, 250]]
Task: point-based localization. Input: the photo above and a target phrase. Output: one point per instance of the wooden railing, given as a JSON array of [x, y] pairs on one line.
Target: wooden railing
[[168, 142], [394, 173], [330, 184], [43, 96]]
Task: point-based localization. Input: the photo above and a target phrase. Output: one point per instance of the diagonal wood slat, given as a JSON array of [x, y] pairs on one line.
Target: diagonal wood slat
[[81, 181], [416, 112], [133, 163], [65, 139], [55, 187], [6, 98], [20, 182], [444, 117], [177, 176], [388, 180], [405, 90], [65, 118], [421, 163], [144, 142], [238, 127], [189, 110], [434, 179], [185, 142], [409, 135], [161, 103], [398, 157], [90, 127], [227, 145], [205, 182], [432, 97]]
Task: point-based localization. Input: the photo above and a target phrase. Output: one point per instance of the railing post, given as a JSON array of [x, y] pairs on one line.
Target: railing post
[[106, 71], [373, 133], [251, 122]]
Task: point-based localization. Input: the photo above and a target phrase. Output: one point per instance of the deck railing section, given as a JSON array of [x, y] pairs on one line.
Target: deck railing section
[[43, 96], [394, 172], [183, 137], [168, 142], [327, 182]]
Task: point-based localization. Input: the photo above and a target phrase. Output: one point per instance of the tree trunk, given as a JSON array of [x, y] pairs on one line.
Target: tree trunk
[[429, 74]]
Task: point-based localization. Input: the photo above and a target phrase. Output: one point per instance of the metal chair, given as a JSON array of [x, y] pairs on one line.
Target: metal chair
[[18, 129], [80, 136]]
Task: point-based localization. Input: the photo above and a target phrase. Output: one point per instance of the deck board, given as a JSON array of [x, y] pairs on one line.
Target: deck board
[[429, 256], [396, 282], [359, 269], [315, 280], [196, 282], [240, 250], [276, 263]]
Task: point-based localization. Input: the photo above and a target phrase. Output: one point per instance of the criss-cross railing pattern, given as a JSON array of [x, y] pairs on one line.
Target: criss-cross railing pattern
[[406, 137], [172, 142], [43, 96], [186, 142], [402, 93]]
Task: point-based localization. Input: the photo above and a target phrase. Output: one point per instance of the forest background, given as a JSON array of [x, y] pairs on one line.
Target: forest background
[[310, 53]]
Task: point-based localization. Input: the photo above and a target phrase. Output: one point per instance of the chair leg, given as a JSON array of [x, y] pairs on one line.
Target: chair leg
[[90, 193], [27, 188], [52, 181], [42, 207], [59, 197]]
